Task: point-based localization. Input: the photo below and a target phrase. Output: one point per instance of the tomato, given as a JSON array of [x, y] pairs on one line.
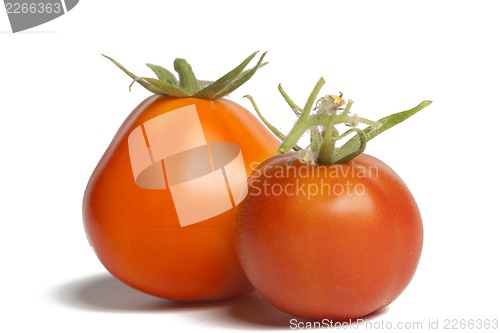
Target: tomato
[[338, 241], [159, 207], [329, 232]]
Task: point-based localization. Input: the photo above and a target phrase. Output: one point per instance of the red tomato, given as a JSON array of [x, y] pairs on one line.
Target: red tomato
[[130, 214], [328, 241]]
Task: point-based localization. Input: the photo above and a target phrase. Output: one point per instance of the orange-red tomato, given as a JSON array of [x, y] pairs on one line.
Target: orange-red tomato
[[132, 222], [328, 242]]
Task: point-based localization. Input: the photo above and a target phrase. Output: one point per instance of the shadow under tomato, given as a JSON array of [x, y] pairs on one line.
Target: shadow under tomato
[[253, 310], [104, 293]]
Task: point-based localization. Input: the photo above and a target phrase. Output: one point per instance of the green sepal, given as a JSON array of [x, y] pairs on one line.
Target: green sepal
[[165, 88], [188, 85], [370, 132], [232, 80], [187, 79], [163, 74], [322, 148], [362, 139]]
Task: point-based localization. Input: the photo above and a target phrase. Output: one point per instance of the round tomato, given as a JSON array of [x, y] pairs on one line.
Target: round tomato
[[159, 207], [333, 241]]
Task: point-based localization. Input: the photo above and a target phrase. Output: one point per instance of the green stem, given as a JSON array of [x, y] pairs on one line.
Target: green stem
[[323, 120], [315, 140], [322, 148], [346, 111], [327, 147], [296, 109], [368, 122], [303, 123], [273, 129], [270, 126]]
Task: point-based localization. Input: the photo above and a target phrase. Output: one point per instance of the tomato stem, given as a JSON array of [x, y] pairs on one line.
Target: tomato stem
[[368, 122], [295, 108], [273, 129], [327, 146], [303, 123], [328, 113]]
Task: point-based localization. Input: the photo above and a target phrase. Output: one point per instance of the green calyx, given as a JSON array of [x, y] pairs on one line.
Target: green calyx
[[322, 122], [187, 85]]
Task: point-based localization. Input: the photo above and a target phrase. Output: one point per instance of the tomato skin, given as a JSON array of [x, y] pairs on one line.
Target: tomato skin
[[135, 232], [328, 256]]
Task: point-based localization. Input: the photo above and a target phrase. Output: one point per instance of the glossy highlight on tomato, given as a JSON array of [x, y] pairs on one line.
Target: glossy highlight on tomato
[[135, 232], [147, 223], [328, 241], [327, 231]]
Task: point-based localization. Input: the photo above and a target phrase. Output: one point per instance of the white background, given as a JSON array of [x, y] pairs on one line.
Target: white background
[[61, 103]]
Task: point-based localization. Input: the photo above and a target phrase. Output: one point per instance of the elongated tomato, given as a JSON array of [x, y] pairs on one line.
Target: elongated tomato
[[159, 208]]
